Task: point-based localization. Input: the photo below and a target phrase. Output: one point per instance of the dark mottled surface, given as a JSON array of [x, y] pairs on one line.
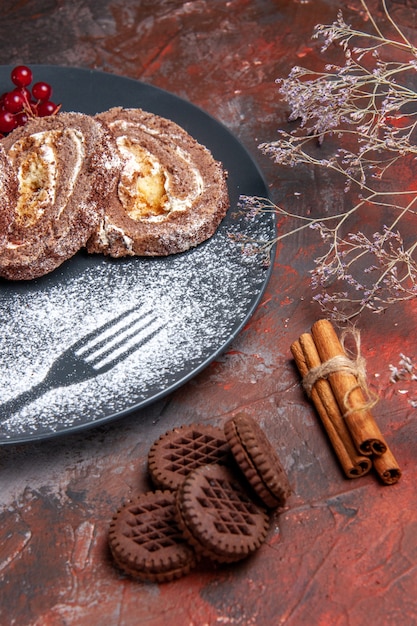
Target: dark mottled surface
[[343, 552]]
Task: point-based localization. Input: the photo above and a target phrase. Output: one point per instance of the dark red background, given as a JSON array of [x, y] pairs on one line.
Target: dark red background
[[343, 552]]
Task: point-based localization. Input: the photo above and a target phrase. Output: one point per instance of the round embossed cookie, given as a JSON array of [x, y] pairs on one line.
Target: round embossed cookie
[[172, 193], [217, 516], [66, 166], [179, 451], [145, 540], [258, 460]]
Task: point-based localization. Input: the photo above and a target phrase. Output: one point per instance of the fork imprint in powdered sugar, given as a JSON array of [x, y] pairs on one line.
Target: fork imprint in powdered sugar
[[92, 355], [116, 340]]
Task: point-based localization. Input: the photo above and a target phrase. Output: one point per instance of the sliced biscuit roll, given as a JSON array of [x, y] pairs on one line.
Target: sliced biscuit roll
[[66, 166], [8, 186], [171, 195]]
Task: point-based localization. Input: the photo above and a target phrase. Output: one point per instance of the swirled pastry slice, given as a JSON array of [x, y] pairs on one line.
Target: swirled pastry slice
[[171, 194], [66, 166], [8, 186]]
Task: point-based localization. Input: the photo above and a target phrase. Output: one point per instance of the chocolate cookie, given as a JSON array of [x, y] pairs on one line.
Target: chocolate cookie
[[145, 540], [179, 451], [217, 516], [171, 195], [258, 460], [66, 165]]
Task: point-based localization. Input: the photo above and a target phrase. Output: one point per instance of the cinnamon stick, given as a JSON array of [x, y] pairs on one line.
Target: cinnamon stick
[[349, 394], [306, 357], [387, 468]]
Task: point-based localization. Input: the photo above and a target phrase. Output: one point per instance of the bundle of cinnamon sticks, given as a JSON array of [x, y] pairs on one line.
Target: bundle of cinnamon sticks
[[335, 385]]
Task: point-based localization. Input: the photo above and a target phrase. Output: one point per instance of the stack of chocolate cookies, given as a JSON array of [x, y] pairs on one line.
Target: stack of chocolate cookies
[[215, 490], [122, 183]]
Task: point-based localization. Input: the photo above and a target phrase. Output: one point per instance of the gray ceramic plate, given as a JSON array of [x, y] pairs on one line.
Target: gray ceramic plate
[[179, 313]]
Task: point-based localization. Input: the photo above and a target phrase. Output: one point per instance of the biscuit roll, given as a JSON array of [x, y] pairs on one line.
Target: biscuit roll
[[66, 166], [8, 186], [171, 195]]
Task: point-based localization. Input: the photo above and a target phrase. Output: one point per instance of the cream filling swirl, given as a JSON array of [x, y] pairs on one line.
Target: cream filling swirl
[[146, 187], [36, 160]]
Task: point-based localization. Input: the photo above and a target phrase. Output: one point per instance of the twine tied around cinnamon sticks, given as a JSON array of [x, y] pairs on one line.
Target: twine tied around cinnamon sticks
[[337, 387], [342, 363]]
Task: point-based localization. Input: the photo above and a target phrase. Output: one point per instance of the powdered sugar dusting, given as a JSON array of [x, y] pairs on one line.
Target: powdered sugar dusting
[[196, 301]]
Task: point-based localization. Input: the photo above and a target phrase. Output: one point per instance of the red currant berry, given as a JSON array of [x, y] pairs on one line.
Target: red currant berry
[[41, 91], [21, 76], [14, 101], [26, 95], [21, 118], [46, 108], [7, 122]]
